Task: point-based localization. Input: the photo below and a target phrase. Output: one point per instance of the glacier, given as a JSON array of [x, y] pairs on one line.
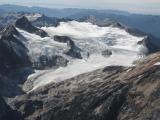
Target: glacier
[[90, 39]]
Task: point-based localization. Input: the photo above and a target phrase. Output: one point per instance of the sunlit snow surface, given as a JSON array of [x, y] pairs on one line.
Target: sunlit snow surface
[[89, 38], [38, 46], [33, 17]]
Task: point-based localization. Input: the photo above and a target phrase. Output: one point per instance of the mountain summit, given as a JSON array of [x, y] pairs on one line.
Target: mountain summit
[[24, 24]]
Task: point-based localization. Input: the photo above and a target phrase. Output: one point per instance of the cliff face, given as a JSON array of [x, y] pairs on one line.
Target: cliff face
[[24, 24], [13, 54], [112, 93]]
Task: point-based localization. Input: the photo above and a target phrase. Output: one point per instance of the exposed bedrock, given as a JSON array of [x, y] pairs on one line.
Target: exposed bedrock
[[112, 93], [24, 24], [73, 50], [13, 54], [107, 53], [49, 62]]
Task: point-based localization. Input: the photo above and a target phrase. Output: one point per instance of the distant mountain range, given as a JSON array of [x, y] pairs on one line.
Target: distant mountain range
[[146, 23], [51, 12]]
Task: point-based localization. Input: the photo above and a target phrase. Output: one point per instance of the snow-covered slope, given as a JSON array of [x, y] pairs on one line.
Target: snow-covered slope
[[33, 16], [92, 40], [39, 46]]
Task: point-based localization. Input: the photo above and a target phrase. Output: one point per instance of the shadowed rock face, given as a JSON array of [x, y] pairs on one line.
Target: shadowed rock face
[[24, 24], [106, 53], [73, 50], [151, 43], [49, 62], [13, 56], [112, 93], [62, 39], [13, 53], [6, 113]]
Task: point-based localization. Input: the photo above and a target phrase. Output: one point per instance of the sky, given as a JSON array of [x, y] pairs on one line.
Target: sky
[[136, 6]]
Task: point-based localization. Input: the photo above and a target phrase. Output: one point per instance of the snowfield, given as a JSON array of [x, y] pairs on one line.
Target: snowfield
[[33, 17], [93, 38], [38, 46], [90, 39], [76, 68]]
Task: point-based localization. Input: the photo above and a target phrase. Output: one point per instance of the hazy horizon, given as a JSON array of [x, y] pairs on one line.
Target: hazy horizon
[[133, 6]]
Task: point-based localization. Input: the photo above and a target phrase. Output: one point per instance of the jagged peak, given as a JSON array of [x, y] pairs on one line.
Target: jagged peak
[[9, 31], [23, 23]]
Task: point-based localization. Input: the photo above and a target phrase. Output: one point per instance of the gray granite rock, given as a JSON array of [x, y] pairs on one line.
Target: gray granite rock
[[112, 93]]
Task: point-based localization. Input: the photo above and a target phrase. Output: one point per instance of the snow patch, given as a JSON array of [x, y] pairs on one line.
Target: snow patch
[[33, 17], [157, 64]]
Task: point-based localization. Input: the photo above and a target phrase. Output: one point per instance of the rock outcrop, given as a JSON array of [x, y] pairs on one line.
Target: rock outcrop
[[73, 50], [24, 24], [49, 62], [13, 54], [107, 53], [151, 43]]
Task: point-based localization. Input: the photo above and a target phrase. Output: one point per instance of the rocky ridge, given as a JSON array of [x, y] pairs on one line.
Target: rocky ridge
[[24, 24], [112, 93], [13, 53]]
